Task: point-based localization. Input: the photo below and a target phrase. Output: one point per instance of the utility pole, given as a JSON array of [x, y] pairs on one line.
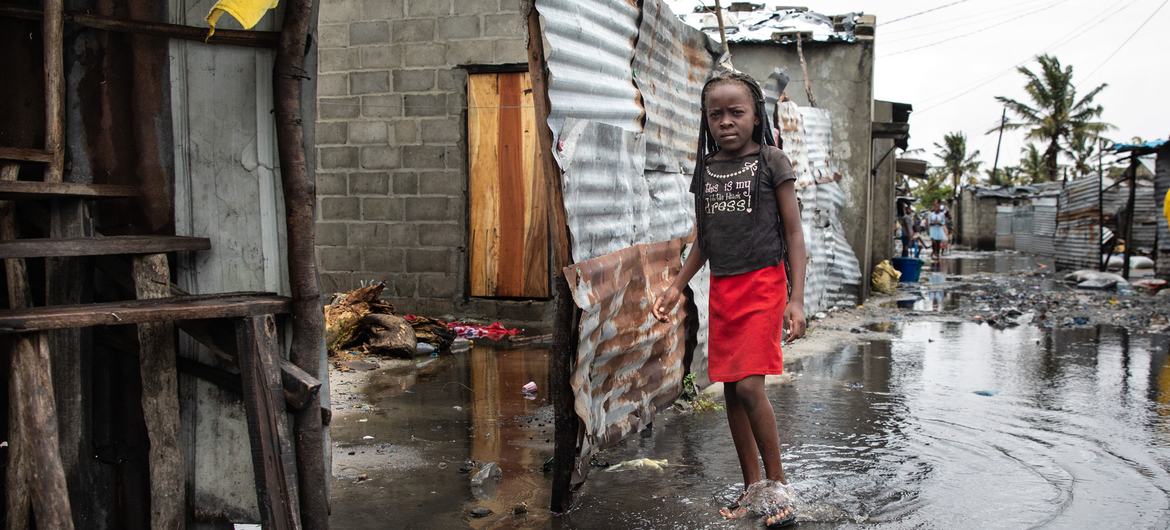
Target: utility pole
[[722, 32], [995, 165]]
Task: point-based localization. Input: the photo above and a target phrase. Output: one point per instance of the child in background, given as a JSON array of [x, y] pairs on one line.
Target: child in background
[[748, 223]]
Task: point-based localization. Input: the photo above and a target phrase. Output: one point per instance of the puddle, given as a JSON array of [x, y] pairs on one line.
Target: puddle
[[945, 425], [929, 301], [992, 263]]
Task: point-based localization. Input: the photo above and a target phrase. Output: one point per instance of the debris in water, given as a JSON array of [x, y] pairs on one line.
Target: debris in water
[[363, 420], [638, 464], [529, 390], [362, 478], [494, 331], [367, 437], [987, 393], [520, 509], [480, 511], [489, 471]]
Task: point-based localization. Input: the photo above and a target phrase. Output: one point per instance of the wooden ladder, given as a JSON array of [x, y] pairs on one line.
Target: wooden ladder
[[36, 337]]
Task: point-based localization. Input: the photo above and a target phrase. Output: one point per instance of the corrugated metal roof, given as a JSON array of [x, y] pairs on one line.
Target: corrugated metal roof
[[1145, 147], [777, 25]]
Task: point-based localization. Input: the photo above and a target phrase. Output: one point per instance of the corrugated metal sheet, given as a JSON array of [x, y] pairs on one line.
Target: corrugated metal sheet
[[629, 365], [834, 275], [1004, 239], [1044, 226], [1078, 228], [1161, 187], [777, 25], [1022, 228]]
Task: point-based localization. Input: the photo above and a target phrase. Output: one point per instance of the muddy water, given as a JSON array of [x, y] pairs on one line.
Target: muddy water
[[947, 425], [992, 263]]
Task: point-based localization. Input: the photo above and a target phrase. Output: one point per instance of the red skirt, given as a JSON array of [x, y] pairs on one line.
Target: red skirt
[[747, 317]]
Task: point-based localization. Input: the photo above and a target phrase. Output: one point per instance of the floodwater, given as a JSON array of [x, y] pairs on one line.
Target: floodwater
[[945, 425], [992, 263]]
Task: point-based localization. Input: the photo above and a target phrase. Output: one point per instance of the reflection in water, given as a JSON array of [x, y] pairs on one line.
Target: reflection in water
[[993, 264], [946, 425]]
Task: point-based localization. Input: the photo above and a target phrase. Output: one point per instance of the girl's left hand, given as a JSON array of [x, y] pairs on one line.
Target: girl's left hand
[[794, 322]]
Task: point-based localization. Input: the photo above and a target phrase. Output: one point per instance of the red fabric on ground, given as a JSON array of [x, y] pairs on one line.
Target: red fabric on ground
[[747, 314]]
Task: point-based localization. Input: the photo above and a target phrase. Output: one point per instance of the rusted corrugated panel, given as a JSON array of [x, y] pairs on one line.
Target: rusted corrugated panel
[[589, 47], [671, 62], [629, 365], [1078, 228], [834, 274]]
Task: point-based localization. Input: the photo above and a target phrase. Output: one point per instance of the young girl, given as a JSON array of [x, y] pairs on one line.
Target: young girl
[[747, 221]]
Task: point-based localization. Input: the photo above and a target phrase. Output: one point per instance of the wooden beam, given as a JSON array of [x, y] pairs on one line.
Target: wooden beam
[[25, 154], [18, 499], [227, 305], [300, 388], [894, 130], [160, 398], [53, 35], [50, 190], [100, 246], [272, 453], [251, 39]]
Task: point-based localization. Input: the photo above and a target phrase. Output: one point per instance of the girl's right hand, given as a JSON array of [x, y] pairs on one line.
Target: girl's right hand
[[664, 306]]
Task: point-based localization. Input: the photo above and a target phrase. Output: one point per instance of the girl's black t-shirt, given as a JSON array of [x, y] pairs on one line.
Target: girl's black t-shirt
[[735, 236]]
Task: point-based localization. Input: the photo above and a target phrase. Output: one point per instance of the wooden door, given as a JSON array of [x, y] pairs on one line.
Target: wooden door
[[508, 194]]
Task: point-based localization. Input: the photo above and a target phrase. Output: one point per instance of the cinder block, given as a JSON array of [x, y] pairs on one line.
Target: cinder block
[[382, 259], [379, 157], [425, 104], [441, 235], [421, 260], [428, 8], [414, 80], [377, 183], [456, 156], [428, 54], [377, 32], [333, 84], [384, 106], [335, 282], [331, 234], [430, 209], [441, 131], [452, 80], [470, 52], [511, 51], [403, 234], [449, 183], [437, 285], [405, 132], [333, 35], [422, 157], [369, 82], [413, 30], [337, 157], [406, 184], [331, 183], [331, 132], [338, 108], [382, 209], [401, 285], [476, 7], [369, 234], [368, 132], [382, 9], [338, 60], [333, 11], [507, 25], [381, 57], [340, 258], [340, 209], [451, 28]]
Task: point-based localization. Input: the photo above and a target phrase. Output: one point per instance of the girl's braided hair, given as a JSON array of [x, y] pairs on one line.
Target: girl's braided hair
[[761, 133]]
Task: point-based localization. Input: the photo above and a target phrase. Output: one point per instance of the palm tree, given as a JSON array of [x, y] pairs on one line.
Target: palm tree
[[1004, 176], [1055, 114], [933, 188], [955, 162], [1033, 166], [1083, 148]]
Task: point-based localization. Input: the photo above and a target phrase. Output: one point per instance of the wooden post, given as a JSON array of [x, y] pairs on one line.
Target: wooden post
[[308, 318], [1129, 216], [160, 398], [722, 30], [54, 28], [272, 456], [563, 350], [19, 462]]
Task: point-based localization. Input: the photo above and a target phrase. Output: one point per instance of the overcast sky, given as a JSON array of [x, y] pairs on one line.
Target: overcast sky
[[974, 46]]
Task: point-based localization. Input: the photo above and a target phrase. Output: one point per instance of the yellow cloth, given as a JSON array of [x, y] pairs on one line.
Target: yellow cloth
[[247, 12], [1166, 207]]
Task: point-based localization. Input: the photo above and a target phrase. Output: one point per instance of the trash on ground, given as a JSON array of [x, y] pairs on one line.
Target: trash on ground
[[639, 464], [367, 437], [987, 393], [343, 314], [489, 472], [767, 498], [520, 509], [529, 388], [885, 278], [432, 331], [493, 331], [480, 511]]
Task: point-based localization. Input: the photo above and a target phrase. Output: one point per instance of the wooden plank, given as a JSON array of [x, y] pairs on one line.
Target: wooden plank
[[536, 271], [23, 154], [32, 387], [160, 398], [53, 38], [483, 118], [252, 39], [512, 197], [273, 460], [49, 190], [100, 246], [18, 498], [228, 305]]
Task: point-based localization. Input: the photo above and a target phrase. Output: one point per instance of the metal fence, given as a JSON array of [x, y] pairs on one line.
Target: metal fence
[[1078, 227]]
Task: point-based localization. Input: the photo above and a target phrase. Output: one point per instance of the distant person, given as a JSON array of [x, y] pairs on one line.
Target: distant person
[[748, 220], [906, 222], [936, 222]]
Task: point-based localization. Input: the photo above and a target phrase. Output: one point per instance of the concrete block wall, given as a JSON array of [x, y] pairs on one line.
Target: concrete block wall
[[392, 150]]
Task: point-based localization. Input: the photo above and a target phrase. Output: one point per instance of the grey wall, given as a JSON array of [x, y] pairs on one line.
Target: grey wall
[[978, 218], [842, 82], [884, 189], [391, 131]]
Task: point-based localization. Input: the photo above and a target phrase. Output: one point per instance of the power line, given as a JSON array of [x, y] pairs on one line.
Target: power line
[[1127, 39], [1065, 39], [980, 30], [950, 26], [931, 10]]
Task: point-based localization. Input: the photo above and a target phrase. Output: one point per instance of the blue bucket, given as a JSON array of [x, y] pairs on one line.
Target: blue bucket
[[910, 268]]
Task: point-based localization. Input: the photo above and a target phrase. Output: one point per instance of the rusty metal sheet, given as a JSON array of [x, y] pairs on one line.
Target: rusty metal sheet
[[629, 365], [833, 276], [671, 62]]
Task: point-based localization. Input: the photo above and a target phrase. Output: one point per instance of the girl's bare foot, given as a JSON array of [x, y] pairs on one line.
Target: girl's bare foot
[[736, 509]]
